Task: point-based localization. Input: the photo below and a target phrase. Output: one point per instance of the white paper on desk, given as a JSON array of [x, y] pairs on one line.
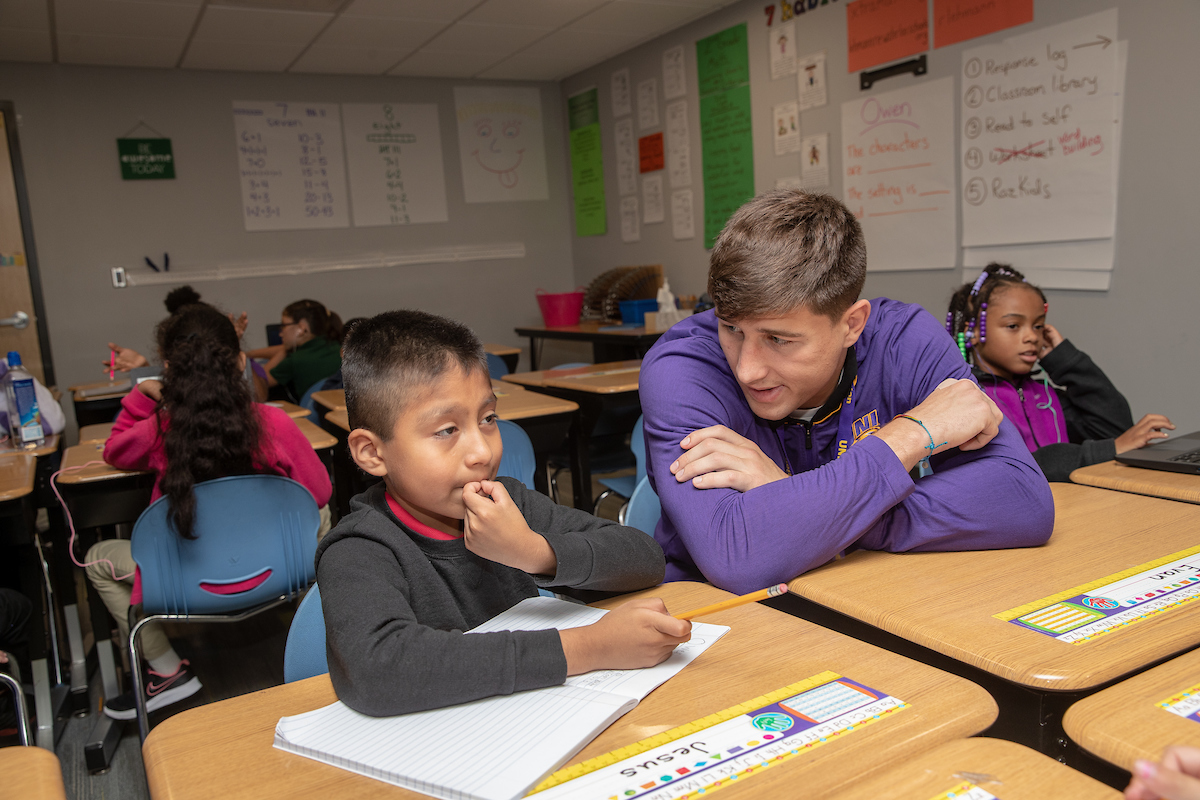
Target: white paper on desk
[[511, 742]]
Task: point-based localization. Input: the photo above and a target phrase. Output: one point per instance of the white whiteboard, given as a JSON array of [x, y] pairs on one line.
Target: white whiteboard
[[394, 154], [1039, 144], [898, 162], [291, 166]]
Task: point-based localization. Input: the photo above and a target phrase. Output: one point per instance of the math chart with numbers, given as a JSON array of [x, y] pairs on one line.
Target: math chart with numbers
[[291, 166], [394, 154]]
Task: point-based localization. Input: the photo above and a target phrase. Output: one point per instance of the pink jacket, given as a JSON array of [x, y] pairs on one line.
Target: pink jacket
[[135, 444]]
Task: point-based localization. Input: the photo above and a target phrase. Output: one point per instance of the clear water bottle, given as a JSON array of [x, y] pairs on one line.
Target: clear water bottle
[[24, 418]]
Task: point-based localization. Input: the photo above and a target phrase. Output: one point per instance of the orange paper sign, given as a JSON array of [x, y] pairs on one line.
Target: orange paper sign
[[879, 31], [650, 152], [958, 20]]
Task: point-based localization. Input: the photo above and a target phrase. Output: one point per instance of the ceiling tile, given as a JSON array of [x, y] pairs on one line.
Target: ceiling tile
[[120, 51], [347, 60], [444, 65], [523, 67], [378, 33], [224, 24], [499, 40], [548, 14], [261, 57], [434, 10], [124, 18], [28, 14], [645, 20], [571, 46], [25, 44]]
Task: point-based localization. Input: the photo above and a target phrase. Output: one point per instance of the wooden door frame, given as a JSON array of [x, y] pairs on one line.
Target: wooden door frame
[[31, 263]]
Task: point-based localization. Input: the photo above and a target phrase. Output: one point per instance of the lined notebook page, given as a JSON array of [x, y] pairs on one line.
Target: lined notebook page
[[493, 749], [539, 613]]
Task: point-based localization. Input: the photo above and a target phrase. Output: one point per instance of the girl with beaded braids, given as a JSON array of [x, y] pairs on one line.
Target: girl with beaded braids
[[999, 323]]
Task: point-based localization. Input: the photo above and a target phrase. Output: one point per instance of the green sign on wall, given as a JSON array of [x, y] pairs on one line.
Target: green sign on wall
[[146, 159]]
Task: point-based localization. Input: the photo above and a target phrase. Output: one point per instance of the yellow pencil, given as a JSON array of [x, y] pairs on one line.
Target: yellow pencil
[[734, 602]]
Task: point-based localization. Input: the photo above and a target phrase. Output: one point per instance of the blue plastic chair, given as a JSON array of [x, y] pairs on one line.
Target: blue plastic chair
[[624, 485], [517, 460], [644, 509], [307, 402], [304, 654], [255, 530], [497, 369]]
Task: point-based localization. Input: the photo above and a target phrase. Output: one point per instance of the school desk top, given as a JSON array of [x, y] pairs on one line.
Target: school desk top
[[501, 349], [17, 473], [81, 454], [1125, 722], [1004, 769], [588, 330], [31, 772], [332, 399], [764, 651], [48, 447], [319, 439], [609, 378], [291, 409], [946, 601], [121, 386], [1137, 480], [95, 433]]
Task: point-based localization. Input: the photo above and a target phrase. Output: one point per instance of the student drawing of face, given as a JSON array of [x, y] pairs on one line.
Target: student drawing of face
[[500, 147]]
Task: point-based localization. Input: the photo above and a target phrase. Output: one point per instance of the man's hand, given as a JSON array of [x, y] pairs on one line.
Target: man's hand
[[125, 358], [1148, 429], [1051, 339], [239, 323], [718, 458], [957, 414], [638, 634], [495, 529], [1173, 778]]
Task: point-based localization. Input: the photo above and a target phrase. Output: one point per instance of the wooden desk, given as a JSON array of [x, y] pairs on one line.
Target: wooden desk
[[17, 472], [945, 602], [764, 651], [1124, 722], [92, 409], [291, 409], [509, 355], [332, 399], [1005, 769], [1152, 482], [607, 345], [319, 439], [597, 388], [47, 447], [32, 773], [95, 433]]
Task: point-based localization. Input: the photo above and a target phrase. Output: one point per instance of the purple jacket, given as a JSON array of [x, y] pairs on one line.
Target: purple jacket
[[991, 498]]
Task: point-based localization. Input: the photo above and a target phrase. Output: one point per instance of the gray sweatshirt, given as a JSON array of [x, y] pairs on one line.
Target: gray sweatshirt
[[396, 603]]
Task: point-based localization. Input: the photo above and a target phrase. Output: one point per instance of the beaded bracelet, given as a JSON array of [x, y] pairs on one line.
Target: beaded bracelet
[[923, 465]]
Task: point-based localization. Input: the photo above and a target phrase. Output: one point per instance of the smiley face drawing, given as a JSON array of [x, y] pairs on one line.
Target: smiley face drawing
[[500, 147], [501, 144]]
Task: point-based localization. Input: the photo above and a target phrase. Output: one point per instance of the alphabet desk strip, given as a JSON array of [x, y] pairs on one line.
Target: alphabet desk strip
[[727, 747]]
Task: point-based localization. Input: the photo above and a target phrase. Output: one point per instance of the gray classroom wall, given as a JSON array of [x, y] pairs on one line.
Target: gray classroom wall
[[1141, 331], [86, 219]]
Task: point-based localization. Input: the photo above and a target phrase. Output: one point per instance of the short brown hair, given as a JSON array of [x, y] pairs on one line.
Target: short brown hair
[[785, 249], [387, 357]]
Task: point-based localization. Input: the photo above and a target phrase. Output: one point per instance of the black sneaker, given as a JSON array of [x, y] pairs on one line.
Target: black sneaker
[[161, 690]]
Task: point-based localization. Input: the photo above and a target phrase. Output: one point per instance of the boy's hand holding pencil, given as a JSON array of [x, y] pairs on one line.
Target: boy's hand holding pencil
[[638, 634], [495, 529]]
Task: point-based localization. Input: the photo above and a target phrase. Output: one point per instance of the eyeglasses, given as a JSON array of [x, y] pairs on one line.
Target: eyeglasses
[[283, 325]]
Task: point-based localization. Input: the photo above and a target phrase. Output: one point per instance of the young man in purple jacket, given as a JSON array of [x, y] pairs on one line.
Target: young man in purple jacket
[[782, 426]]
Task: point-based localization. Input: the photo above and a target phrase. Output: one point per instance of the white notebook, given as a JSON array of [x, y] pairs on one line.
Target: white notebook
[[492, 749]]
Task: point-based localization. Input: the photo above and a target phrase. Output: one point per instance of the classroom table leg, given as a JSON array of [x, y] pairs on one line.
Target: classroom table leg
[[547, 434]]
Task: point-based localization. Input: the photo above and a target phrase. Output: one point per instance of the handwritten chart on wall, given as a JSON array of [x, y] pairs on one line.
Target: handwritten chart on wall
[[394, 153], [291, 167], [1038, 149], [898, 157], [501, 144], [726, 141]]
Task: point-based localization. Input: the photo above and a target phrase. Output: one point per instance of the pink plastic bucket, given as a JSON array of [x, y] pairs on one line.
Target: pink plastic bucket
[[560, 310]]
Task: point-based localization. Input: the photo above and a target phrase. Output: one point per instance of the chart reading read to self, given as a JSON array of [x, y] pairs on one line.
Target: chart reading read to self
[[697, 759], [1114, 602]]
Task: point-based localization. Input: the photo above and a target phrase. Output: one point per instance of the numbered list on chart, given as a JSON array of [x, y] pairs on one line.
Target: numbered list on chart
[[290, 162], [1038, 143], [394, 154]]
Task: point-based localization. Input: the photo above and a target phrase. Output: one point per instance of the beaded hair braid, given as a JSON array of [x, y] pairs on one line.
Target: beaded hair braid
[[968, 306]]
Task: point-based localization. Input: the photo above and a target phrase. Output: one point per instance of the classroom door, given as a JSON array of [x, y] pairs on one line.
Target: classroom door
[[22, 326]]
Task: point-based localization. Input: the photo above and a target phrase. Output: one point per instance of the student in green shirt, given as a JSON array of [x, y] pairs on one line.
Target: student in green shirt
[[311, 348]]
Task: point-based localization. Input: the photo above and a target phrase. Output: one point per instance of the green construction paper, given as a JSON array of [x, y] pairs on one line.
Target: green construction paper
[[587, 164], [723, 60], [727, 153]]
